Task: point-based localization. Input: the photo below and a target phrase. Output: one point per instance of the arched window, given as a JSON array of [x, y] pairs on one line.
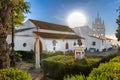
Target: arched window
[[74, 43], [24, 44], [67, 45]]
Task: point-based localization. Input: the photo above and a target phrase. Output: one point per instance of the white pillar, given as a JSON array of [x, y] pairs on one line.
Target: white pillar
[[37, 54]]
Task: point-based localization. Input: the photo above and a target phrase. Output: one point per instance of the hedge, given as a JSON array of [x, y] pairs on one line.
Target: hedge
[[62, 65]]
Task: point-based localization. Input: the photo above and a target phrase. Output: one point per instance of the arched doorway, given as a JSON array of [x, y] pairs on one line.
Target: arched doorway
[[40, 44]]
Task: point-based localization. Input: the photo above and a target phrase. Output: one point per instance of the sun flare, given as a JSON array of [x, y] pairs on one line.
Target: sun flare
[[76, 19]]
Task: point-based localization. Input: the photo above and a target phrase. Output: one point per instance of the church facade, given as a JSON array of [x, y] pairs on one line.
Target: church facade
[[48, 36], [95, 39]]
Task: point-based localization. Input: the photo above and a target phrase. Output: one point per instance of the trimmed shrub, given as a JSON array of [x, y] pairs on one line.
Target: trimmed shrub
[[62, 65], [14, 74]]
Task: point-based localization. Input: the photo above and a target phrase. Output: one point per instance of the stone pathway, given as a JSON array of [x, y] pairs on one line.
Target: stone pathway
[[29, 67]]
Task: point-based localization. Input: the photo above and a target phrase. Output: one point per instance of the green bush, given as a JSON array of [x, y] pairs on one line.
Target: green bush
[[105, 71], [62, 65], [18, 56], [14, 74], [116, 59]]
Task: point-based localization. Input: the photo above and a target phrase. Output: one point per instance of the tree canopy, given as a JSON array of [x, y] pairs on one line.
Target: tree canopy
[[19, 8], [118, 22]]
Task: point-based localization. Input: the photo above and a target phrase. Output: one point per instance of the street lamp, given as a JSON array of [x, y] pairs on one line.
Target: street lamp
[[12, 62]]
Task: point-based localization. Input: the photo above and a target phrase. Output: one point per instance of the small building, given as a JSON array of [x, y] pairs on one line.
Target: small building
[[52, 37]]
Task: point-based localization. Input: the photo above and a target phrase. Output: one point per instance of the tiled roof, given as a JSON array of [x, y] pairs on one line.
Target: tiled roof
[[51, 26], [101, 38], [57, 36], [108, 38], [97, 37]]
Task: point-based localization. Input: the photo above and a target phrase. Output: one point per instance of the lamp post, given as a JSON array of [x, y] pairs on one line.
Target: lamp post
[[12, 62]]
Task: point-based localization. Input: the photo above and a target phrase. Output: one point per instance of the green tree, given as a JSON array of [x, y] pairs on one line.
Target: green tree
[[7, 8], [118, 29]]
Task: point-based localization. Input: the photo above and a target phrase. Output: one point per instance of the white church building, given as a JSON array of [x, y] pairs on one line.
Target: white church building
[[52, 37], [95, 39]]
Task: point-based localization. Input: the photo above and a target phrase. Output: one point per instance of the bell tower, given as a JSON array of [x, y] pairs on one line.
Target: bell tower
[[98, 27]]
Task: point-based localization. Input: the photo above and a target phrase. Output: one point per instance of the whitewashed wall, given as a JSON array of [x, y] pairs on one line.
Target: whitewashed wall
[[60, 45], [46, 43], [98, 45], [20, 40]]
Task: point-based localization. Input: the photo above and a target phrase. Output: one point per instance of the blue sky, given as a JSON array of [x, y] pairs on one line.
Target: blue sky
[[57, 11]]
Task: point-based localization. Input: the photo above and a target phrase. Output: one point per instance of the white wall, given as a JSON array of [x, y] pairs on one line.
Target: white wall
[[60, 45], [46, 43], [98, 45], [20, 40]]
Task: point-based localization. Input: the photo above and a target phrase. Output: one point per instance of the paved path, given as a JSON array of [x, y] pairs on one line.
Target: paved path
[[29, 67], [38, 77]]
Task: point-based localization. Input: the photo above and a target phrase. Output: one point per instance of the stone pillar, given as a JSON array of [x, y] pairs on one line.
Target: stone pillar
[[79, 52], [37, 54]]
